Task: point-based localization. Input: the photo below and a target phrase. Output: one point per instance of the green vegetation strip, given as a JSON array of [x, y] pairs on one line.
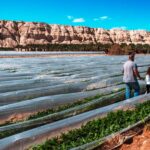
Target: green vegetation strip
[[97, 129], [65, 107], [61, 108], [125, 135], [43, 118], [58, 109]]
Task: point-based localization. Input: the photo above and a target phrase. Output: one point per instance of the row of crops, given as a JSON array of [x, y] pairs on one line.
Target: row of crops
[[73, 105]]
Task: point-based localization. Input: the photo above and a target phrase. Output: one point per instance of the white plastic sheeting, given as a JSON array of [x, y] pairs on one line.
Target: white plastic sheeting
[[38, 135], [48, 102], [95, 103], [28, 89], [29, 85]]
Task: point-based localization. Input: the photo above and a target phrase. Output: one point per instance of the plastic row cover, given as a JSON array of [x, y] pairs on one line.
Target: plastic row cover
[[97, 103], [38, 135], [103, 101], [12, 97], [26, 94], [120, 137], [48, 102], [20, 85], [21, 95]]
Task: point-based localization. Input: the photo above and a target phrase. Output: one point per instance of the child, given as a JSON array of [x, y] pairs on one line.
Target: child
[[148, 80]]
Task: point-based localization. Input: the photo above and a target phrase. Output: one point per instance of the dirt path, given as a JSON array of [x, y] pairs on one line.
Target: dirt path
[[140, 142], [49, 56]]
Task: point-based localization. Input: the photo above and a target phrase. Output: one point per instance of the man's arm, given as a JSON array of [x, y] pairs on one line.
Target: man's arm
[[123, 70], [136, 72]]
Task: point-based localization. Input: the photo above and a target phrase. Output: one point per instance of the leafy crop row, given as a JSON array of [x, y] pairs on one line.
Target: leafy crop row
[[48, 113], [67, 106], [64, 107], [97, 129], [58, 109], [44, 113]]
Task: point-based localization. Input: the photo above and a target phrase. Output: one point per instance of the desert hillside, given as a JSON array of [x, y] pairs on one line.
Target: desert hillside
[[14, 33]]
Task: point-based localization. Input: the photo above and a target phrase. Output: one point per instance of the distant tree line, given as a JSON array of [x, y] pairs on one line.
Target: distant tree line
[[6, 49], [113, 49], [64, 47], [124, 49]]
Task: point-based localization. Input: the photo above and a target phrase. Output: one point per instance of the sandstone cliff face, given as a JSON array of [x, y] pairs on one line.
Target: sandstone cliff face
[[24, 33]]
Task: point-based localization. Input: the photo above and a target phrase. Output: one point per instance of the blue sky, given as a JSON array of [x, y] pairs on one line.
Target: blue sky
[[126, 14]]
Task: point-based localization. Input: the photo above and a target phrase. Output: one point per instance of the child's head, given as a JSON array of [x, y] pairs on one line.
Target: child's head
[[148, 71]]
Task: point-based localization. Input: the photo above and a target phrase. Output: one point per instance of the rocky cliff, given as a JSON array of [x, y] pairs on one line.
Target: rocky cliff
[[23, 33]]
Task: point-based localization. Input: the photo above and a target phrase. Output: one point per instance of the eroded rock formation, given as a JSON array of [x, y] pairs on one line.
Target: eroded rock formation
[[23, 33]]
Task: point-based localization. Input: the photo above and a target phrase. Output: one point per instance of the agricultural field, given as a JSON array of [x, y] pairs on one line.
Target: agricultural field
[[69, 102]]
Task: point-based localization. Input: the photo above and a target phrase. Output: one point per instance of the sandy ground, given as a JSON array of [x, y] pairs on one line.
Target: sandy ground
[[57, 55], [140, 142], [49, 56]]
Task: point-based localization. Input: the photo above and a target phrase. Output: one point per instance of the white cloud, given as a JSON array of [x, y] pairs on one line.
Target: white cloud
[[120, 28], [104, 18], [70, 17], [140, 29], [95, 19], [78, 20]]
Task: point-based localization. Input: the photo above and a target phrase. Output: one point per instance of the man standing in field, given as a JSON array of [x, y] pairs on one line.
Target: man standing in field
[[131, 73]]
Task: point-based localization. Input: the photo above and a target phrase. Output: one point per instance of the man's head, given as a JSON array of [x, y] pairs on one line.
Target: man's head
[[131, 56]]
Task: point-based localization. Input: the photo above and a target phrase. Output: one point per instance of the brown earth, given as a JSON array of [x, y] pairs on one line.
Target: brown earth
[[132, 138], [140, 142], [51, 55]]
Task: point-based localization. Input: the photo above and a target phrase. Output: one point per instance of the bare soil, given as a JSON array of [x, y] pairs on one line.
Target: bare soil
[[51, 56], [139, 142], [137, 138]]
